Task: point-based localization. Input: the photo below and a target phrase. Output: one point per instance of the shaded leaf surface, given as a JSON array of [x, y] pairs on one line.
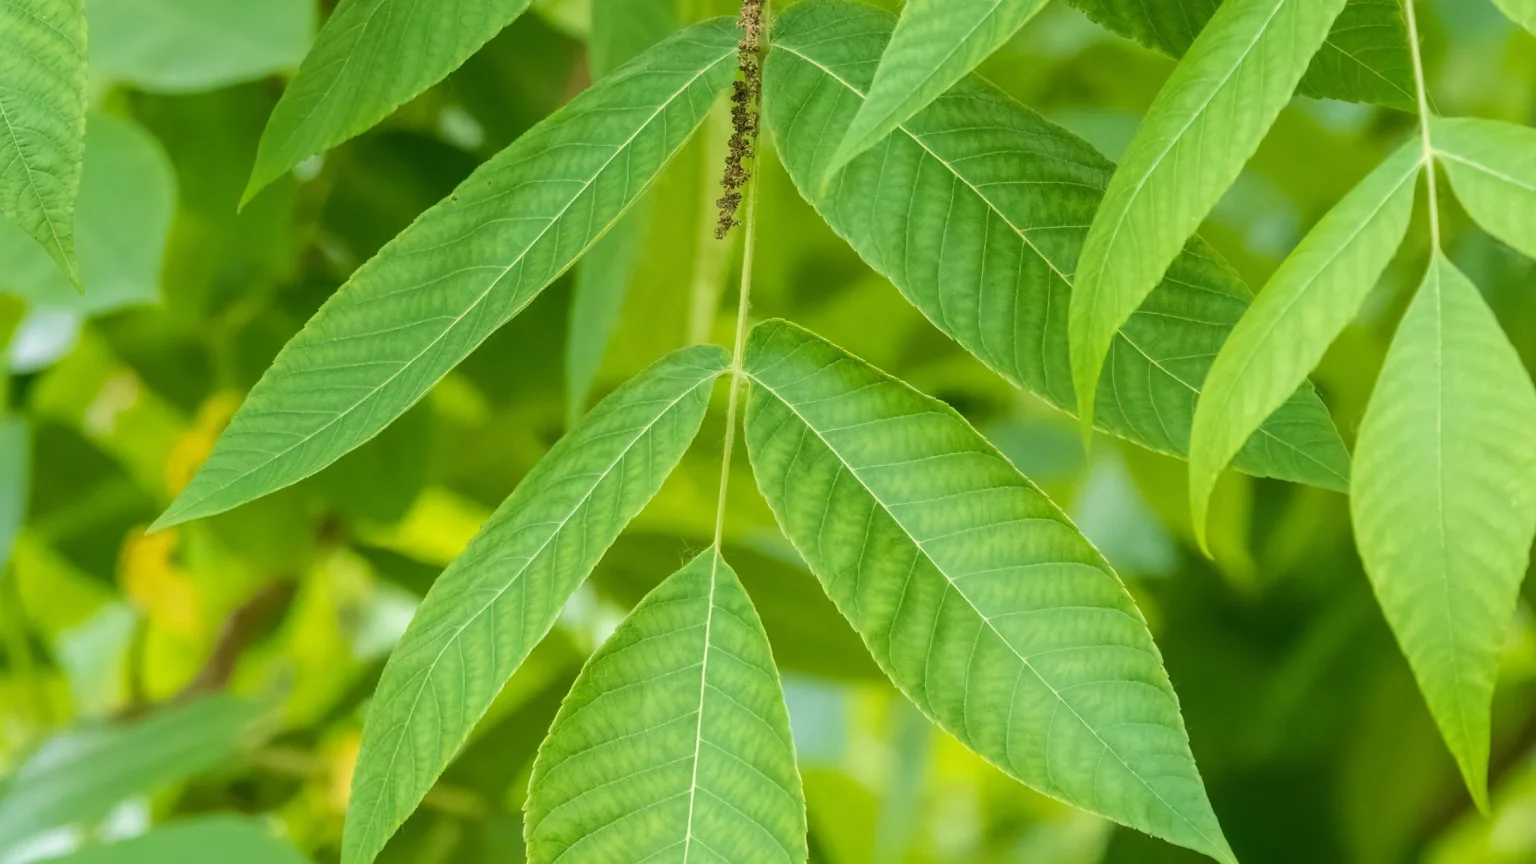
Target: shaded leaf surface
[[463, 269], [674, 743], [1444, 502], [1199, 132], [1308, 302], [1492, 167], [1365, 58], [498, 599], [976, 209], [975, 594], [42, 120]]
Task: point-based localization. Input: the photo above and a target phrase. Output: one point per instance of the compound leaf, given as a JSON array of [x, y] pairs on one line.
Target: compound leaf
[[1365, 58], [1201, 129], [371, 57], [463, 269], [936, 43], [1444, 502], [1308, 302], [974, 593], [42, 121], [674, 743], [496, 601], [976, 209], [1492, 167]]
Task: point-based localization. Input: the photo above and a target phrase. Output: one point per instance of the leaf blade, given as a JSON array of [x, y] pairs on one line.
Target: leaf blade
[[906, 534], [462, 650], [1001, 286], [936, 43], [362, 67], [702, 712], [1261, 45], [1522, 12], [42, 121], [1442, 502], [1315, 293], [460, 271], [1493, 171]]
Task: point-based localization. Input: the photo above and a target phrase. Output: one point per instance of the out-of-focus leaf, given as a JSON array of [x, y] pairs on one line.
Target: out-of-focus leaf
[[498, 599], [1365, 59], [1313, 295], [79, 775], [977, 208], [623, 29], [370, 57], [1522, 12], [226, 839], [1492, 166], [1199, 132], [1444, 502], [42, 112], [976, 595], [936, 43], [602, 280], [462, 270], [15, 480], [674, 742], [122, 221], [174, 46]]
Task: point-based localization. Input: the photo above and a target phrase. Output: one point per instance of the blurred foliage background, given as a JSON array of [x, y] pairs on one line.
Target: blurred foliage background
[[205, 687]]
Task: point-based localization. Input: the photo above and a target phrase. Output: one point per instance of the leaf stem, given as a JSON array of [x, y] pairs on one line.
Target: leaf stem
[[743, 308], [1424, 115]]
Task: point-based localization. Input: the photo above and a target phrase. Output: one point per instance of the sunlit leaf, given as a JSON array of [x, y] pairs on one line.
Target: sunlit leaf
[[975, 594], [42, 120], [497, 600], [1310, 299], [226, 839], [175, 46], [1492, 167], [369, 58], [463, 269], [674, 743], [1444, 502], [1365, 59], [976, 209], [1522, 12], [936, 43], [79, 775], [122, 222], [1201, 129]]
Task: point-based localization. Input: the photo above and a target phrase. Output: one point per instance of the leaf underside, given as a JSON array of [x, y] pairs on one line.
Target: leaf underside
[[42, 120], [1316, 292], [371, 57], [462, 270], [975, 594], [1200, 131], [1444, 502], [501, 596], [977, 208], [1492, 166], [674, 743]]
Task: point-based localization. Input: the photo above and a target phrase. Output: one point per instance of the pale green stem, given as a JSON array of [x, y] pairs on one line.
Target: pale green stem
[[1424, 116], [743, 306]]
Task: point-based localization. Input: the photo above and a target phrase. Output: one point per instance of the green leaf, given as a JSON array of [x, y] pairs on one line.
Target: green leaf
[[15, 477], [463, 269], [1444, 502], [976, 209], [78, 776], [936, 43], [1201, 129], [42, 121], [178, 46], [1522, 12], [122, 223], [975, 593], [498, 599], [226, 839], [674, 743], [1492, 167], [1366, 57], [1308, 302], [371, 57]]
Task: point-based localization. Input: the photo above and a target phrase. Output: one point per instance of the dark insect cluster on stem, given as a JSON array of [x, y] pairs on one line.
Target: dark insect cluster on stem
[[744, 119]]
